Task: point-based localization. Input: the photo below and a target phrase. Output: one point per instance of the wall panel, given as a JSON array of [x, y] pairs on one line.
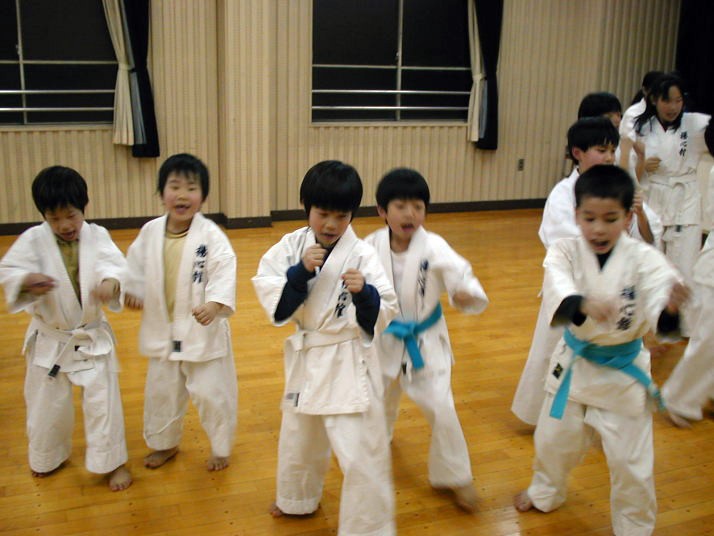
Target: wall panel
[[232, 81]]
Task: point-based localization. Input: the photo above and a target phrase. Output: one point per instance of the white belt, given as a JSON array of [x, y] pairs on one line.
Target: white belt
[[72, 339], [304, 340]]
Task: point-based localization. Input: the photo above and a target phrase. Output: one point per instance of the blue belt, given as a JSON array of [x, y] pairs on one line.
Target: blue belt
[[619, 356], [407, 331]]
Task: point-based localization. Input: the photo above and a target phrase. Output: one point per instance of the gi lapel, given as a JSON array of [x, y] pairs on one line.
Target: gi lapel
[[413, 284], [191, 277], [87, 281], [322, 300], [66, 300]]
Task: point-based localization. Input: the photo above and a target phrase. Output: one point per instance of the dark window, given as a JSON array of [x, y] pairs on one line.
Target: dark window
[[57, 64], [390, 60]]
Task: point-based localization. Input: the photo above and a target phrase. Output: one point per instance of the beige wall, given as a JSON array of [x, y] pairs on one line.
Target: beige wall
[[232, 84]]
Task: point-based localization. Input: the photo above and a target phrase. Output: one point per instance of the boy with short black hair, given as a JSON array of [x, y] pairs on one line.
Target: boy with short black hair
[[591, 141], [182, 272], [608, 290], [332, 285], [414, 351], [61, 272]]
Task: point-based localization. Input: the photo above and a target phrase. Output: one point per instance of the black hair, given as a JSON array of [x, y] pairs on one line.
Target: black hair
[[599, 103], [606, 182], [331, 185], [186, 165], [648, 81], [402, 183], [58, 187], [591, 131], [660, 90]]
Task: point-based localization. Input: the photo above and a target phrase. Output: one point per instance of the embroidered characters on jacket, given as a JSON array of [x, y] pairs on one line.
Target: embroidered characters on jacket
[[199, 264]]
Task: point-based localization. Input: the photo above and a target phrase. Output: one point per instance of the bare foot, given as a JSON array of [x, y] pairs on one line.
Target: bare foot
[[275, 511], [217, 463], [678, 420], [119, 478], [465, 498], [37, 474], [158, 458], [522, 502]]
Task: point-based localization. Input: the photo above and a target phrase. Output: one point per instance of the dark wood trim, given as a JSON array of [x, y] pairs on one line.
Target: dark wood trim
[[247, 223], [287, 215]]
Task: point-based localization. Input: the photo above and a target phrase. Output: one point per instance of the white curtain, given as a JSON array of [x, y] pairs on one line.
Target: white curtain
[[123, 122], [476, 75]]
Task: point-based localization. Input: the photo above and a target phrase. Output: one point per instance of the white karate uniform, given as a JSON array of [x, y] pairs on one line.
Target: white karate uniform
[[627, 126], [431, 267], [558, 222], [186, 358], [673, 189], [691, 383], [602, 399], [332, 398], [74, 336]]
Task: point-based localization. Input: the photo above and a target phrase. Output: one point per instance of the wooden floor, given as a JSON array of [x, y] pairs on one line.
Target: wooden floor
[[183, 498]]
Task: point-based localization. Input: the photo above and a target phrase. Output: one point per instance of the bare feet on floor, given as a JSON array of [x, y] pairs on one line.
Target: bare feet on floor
[[158, 458], [465, 498], [217, 463], [522, 502], [119, 479], [275, 511], [678, 420]]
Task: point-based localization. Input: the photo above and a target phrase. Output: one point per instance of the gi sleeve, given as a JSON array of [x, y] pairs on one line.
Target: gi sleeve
[[294, 292], [367, 303], [569, 312], [21, 259]]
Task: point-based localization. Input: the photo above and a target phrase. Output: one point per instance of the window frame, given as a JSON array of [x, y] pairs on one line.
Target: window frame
[[398, 91], [21, 62]]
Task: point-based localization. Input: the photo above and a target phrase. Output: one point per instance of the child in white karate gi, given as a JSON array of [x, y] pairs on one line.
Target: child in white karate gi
[[591, 141], [628, 157], [609, 290], [332, 285], [182, 272], [61, 272], [415, 352], [673, 143], [691, 384]]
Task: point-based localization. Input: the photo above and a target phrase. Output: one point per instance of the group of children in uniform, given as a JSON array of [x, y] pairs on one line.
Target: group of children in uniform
[[605, 287], [368, 317], [369, 325]]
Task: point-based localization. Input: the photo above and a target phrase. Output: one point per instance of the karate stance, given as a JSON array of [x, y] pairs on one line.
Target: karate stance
[[332, 285], [182, 272], [415, 352], [608, 290], [61, 272]]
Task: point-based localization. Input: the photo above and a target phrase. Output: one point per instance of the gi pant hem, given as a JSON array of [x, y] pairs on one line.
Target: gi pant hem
[[299, 507], [103, 462], [48, 461]]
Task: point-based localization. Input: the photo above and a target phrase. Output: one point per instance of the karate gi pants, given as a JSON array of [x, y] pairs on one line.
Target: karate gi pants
[[50, 417], [682, 244], [213, 389], [449, 463], [691, 383], [628, 446], [359, 441]]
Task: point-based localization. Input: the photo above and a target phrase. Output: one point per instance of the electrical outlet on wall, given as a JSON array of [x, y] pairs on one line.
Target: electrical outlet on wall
[[521, 164]]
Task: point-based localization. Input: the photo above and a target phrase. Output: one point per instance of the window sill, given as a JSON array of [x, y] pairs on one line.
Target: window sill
[[56, 128], [382, 124]]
